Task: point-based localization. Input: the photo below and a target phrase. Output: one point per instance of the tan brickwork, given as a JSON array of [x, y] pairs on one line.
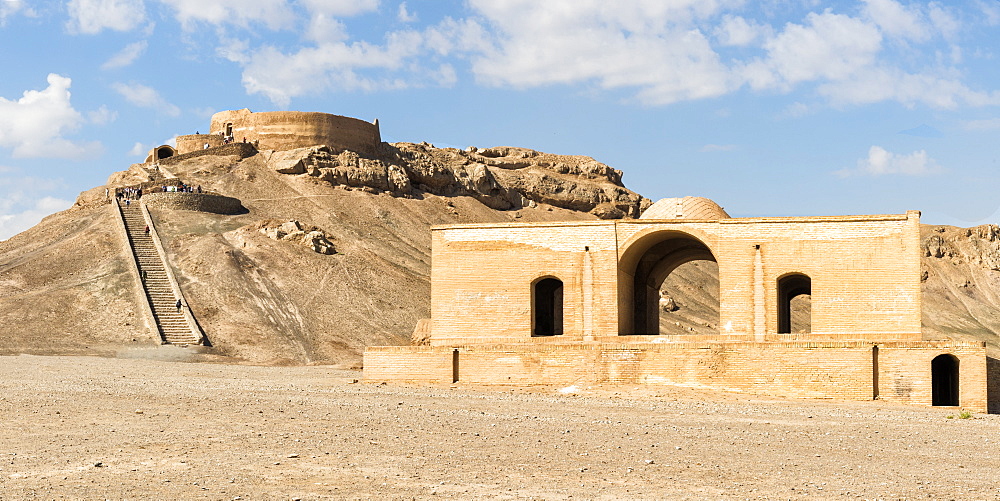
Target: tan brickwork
[[863, 278], [408, 363], [905, 372], [285, 130]]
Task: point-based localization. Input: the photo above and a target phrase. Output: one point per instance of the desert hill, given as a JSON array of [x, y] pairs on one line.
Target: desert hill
[[264, 298], [332, 252]]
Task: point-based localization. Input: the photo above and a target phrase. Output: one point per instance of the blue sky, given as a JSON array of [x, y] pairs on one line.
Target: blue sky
[[769, 108]]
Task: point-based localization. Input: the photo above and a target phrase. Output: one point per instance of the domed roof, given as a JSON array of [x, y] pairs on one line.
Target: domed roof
[[685, 208]]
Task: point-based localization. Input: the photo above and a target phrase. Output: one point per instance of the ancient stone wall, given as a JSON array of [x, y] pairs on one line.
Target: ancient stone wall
[[202, 202], [285, 130], [242, 150], [195, 142]]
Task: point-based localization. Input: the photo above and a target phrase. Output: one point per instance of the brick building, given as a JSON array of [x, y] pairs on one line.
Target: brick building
[[576, 302]]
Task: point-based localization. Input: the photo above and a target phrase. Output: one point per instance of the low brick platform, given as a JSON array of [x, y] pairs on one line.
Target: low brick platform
[[861, 370]]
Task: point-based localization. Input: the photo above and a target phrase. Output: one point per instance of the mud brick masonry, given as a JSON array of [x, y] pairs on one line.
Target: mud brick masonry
[[578, 302]]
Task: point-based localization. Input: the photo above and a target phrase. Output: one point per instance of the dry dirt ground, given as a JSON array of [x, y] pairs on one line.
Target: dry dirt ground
[[146, 425]]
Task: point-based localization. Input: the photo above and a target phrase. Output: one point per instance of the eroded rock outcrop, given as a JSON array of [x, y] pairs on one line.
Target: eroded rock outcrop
[[293, 231], [503, 178]]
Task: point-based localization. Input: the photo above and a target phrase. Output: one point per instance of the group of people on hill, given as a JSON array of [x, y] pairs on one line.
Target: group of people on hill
[[128, 193], [183, 188]]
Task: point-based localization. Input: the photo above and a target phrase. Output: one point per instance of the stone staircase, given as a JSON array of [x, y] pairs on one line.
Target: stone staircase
[[170, 321]]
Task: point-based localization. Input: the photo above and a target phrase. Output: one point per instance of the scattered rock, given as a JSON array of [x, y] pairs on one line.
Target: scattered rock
[[293, 231]]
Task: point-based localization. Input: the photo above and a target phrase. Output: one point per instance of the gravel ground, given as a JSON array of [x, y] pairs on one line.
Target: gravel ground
[[96, 428]]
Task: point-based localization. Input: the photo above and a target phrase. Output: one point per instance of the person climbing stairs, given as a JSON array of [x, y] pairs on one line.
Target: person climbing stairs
[[170, 320]]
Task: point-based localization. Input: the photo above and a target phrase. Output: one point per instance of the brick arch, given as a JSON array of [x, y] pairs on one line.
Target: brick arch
[[547, 318], [643, 265], [790, 286], [944, 380]]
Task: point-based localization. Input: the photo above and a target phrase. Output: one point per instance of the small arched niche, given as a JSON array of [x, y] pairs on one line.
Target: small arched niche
[[794, 304], [944, 380], [547, 307]]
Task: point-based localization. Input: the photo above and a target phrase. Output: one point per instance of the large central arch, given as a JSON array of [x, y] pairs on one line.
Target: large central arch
[[642, 270]]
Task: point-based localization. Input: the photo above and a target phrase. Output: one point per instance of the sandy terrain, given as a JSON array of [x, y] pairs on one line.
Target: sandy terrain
[[95, 428]]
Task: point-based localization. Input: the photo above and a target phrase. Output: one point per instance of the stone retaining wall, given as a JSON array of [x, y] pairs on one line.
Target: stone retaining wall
[[201, 202], [242, 150]]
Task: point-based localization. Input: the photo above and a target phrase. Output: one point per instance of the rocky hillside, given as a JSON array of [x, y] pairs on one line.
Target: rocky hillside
[[332, 254], [961, 277]]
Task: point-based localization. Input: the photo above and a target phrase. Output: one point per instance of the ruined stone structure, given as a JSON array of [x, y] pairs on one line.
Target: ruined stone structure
[[564, 303], [286, 130]]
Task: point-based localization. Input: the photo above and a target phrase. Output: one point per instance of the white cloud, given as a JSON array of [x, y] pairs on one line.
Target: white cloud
[[404, 15], [93, 16], [990, 11], [342, 66], [881, 162], [139, 149], [944, 21], [827, 47], [659, 52], [126, 56], [274, 14], [102, 116], [340, 8], [146, 97], [10, 7], [986, 124], [15, 217], [324, 28], [737, 31], [23, 202], [884, 84], [650, 46], [34, 125], [896, 20]]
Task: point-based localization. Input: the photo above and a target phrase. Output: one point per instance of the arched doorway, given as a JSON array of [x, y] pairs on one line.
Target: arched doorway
[[944, 380], [689, 299], [547, 307], [643, 270], [164, 152], [794, 304]]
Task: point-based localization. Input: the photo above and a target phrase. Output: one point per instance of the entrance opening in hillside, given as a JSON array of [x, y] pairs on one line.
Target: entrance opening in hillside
[[547, 307], [687, 303], [794, 304], [164, 152], [944, 380]]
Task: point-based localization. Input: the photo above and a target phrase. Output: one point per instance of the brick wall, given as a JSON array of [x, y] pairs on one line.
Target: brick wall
[[481, 280], [905, 372], [807, 370], [408, 363], [864, 270], [827, 370]]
